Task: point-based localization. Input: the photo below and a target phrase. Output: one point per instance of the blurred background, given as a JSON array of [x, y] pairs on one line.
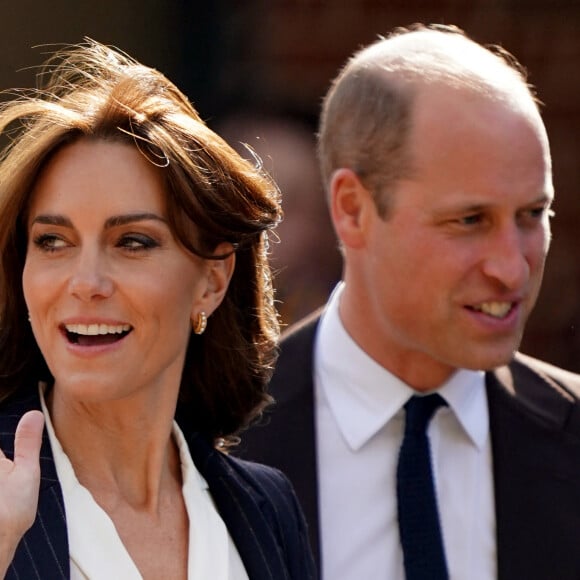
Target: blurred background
[[257, 71]]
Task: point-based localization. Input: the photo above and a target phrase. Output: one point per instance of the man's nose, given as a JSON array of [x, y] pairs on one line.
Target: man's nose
[[506, 258]]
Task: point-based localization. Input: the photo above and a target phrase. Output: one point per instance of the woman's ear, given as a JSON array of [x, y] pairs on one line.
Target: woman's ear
[[351, 205], [218, 276]]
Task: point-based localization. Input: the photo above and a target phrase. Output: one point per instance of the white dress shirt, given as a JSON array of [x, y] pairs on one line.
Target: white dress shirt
[[95, 548], [360, 422]]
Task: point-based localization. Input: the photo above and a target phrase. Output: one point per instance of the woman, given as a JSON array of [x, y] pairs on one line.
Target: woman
[[134, 241]]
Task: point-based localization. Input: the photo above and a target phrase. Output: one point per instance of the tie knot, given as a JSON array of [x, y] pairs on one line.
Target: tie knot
[[419, 411]]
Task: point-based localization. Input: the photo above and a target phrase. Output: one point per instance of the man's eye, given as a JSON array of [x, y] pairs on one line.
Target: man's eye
[[539, 212], [470, 220], [535, 214]]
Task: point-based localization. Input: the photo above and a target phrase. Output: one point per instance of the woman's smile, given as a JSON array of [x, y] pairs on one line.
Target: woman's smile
[[95, 334], [99, 243]]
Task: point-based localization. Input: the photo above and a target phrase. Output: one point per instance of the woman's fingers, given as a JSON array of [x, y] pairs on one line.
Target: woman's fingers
[[28, 440], [19, 483]]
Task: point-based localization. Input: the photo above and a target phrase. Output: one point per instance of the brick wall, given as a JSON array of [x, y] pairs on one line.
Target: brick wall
[[276, 57], [298, 45]]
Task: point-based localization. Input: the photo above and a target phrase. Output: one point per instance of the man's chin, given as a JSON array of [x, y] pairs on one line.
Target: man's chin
[[492, 357], [488, 363]]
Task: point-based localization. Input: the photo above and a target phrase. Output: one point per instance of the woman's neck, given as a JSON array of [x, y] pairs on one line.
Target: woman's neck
[[121, 451]]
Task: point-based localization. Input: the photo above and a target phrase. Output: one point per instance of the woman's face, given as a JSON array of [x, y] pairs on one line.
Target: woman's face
[[111, 293]]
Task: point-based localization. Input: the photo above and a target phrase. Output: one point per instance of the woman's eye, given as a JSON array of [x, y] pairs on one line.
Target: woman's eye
[[137, 242], [49, 242]]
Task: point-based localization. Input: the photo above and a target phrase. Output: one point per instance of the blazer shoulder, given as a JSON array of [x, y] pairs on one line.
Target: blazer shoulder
[[275, 495], [542, 391], [294, 367], [266, 480], [271, 487], [565, 383], [301, 334], [260, 509]]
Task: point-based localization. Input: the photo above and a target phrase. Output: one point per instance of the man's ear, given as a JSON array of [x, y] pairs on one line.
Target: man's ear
[[351, 206], [219, 273]]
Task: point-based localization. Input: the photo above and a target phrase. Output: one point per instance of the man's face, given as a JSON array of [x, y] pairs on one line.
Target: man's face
[[449, 278]]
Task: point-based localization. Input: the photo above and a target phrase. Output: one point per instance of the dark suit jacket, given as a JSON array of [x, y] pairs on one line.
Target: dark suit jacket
[[256, 503], [535, 430]]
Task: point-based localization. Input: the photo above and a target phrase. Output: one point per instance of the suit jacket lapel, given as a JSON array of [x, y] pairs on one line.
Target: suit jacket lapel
[[537, 479]]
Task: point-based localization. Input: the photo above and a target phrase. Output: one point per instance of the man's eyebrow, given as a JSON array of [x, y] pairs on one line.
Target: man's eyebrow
[[114, 221], [482, 205], [546, 198]]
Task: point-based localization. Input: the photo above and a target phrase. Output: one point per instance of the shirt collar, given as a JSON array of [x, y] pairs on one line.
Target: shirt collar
[[363, 396]]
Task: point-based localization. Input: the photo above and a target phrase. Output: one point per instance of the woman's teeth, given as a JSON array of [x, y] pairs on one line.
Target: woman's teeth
[[95, 329]]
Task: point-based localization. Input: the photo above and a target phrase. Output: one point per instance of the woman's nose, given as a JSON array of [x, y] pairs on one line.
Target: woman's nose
[[90, 280]]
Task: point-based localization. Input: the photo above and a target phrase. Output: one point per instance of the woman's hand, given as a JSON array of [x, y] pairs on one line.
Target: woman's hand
[[19, 482]]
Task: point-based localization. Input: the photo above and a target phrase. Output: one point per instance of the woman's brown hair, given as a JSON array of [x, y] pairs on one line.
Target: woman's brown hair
[[213, 196]]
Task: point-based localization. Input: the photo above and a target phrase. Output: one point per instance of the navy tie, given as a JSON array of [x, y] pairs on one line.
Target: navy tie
[[419, 528]]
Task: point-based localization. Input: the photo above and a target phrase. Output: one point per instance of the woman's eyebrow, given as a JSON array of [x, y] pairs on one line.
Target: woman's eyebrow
[[52, 220], [121, 220], [114, 221]]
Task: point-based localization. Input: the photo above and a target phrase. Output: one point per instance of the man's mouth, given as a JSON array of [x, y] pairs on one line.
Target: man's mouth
[[95, 334], [495, 309]]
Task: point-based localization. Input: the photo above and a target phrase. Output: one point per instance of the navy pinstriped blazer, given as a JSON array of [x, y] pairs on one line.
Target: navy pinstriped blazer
[[534, 413], [257, 504]]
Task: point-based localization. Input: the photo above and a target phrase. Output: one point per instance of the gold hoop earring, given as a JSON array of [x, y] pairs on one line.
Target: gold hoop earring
[[200, 323]]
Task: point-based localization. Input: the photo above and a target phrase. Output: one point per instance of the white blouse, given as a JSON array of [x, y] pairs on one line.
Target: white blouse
[[96, 550]]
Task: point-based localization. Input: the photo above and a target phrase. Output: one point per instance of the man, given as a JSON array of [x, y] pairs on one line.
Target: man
[[438, 172]]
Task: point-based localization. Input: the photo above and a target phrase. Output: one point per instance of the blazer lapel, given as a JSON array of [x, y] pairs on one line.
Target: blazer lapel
[[536, 474]]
